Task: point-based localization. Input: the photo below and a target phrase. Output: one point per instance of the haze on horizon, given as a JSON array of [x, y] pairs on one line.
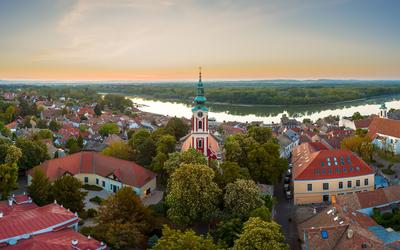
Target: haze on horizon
[[168, 39]]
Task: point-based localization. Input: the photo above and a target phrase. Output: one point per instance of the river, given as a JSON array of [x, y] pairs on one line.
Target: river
[[268, 114]]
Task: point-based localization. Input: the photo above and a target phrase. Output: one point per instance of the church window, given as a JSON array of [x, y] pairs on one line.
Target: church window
[[200, 125], [199, 143]]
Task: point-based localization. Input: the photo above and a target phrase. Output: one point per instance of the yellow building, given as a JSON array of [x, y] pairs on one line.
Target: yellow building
[[104, 171], [319, 174]]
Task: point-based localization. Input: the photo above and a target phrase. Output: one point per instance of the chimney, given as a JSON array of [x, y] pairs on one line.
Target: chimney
[[10, 202], [74, 242], [1, 215], [349, 233]]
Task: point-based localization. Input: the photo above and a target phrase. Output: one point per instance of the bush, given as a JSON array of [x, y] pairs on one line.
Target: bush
[[86, 231], [159, 209], [96, 200], [91, 213], [91, 187]]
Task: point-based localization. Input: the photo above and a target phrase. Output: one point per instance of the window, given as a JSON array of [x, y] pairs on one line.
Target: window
[[322, 163], [97, 181], [351, 169], [366, 182], [325, 186], [340, 184], [323, 171], [330, 171], [104, 184], [324, 234], [337, 170], [344, 170], [357, 183], [349, 184], [200, 143], [309, 187], [200, 125], [316, 171], [86, 179], [357, 168]]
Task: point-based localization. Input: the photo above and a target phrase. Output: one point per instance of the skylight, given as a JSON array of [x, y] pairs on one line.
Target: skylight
[[324, 234]]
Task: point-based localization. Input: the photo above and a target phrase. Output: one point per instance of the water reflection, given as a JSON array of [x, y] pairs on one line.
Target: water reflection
[[269, 114]]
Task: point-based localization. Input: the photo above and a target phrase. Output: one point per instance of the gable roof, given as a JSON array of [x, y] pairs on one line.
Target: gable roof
[[384, 126], [313, 161], [363, 123], [86, 162]]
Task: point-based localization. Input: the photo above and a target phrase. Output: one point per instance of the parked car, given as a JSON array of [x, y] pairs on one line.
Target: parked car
[[286, 180], [288, 195], [286, 187]]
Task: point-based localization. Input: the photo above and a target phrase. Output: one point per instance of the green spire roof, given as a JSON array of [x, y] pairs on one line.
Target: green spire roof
[[200, 98], [383, 106]]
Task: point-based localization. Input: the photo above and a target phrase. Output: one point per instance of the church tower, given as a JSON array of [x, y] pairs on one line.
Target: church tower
[[200, 137], [200, 131], [383, 111]]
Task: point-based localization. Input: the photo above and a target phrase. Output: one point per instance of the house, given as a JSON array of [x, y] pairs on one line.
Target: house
[[287, 141], [355, 124], [365, 202], [347, 223], [24, 225], [12, 126], [319, 174], [104, 171], [385, 134]]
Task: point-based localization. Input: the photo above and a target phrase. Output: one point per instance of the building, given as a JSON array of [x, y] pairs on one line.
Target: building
[[385, 134], [287, 141], [200, 137], [347, 224], [104, 171], [24, 225], [319, 174]]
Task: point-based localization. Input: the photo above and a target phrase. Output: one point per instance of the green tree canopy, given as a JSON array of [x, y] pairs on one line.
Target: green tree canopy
[[123, 221], [108, 129], [259, 234], [54, 125], [40, 189], [177, 159], [34, 152], [178, 240], [72, 145], [193, 195], [242, 196], [228, 231], [9, 171], [143, 146], [177, 128], [66, 190], [119, 150], [230, 172]]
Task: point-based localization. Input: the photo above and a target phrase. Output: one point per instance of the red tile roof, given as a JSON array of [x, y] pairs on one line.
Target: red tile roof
[[364, 123], [313, 161], [95, 163], [34, 220], [60, 240], [8, 210], [385, 127], [12, 125]]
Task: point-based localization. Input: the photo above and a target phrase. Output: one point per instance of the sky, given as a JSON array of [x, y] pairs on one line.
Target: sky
[[151, 40]]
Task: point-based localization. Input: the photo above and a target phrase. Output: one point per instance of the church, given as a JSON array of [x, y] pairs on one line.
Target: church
[[200, 137]]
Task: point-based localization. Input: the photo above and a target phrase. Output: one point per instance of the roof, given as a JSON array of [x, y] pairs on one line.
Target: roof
[[363, 123], [384, 126], [35, 220], [19, 207], [96, 163], [322, 231], [284, 140], [378, 197], [60, 240], [313, 161]]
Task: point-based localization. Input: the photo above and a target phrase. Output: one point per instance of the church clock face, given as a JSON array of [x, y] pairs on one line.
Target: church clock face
[[200, 114]]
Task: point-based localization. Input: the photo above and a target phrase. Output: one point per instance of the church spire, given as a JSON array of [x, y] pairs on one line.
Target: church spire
[[200, 98]]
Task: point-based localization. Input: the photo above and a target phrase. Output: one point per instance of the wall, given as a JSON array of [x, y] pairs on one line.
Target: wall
[[302, 196]]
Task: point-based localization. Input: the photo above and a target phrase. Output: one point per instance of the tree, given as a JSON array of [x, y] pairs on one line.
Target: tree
[[72, 145], [242, 196], [108, 129], [123, 221], [34, 152], [177, 159], [178, 240], [42, 124], [54, 126], [44, 134], [357, 116], [359, 144], [10, 113], [177, 128], [193, 195], [117, 102], [9, 171], [67, 191], [118, 149], [79, 141], [230, 172], [261, 212], [259, 234], [228, 231], [97, 109], [166, 144], [143, 146], [40, 189]]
